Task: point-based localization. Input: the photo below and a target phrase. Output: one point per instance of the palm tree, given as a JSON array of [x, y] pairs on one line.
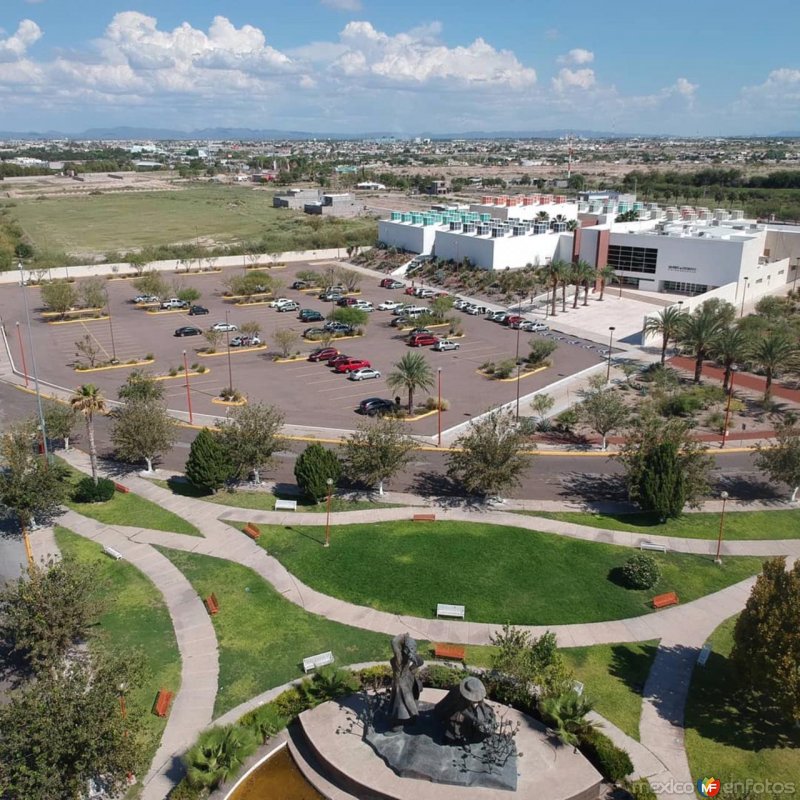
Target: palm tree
[[576, 279], [732, 345], [606, 275], [564, 278], [587, 274], [699, 330], [566, 714], [552, 274], [411, 372], [218, 755], [667, 324], [776, 350], [88, 401]]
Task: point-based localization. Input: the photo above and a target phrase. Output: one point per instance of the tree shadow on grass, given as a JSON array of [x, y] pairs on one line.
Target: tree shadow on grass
[[632, 667]]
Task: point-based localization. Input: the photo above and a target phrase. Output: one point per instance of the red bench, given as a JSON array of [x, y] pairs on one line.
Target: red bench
[[212, 605], [162, 704], [121, 488], [252, 530], [664, 600], [424, 518], [454, 652]]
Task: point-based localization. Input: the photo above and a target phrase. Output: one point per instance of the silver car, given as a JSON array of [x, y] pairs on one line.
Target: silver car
[[446, 344]]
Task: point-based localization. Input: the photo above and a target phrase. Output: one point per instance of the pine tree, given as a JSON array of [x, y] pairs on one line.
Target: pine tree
[[313, 468], [208, 465], [662, 487]]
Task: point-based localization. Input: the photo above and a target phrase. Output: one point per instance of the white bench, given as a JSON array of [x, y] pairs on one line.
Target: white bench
[[704, 654], [660, 548], [110, 551], [447, 610], [286, 505], [315, 662], [577, 687]]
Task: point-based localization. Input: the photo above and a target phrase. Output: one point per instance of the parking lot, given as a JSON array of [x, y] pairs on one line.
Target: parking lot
[[310, 394]]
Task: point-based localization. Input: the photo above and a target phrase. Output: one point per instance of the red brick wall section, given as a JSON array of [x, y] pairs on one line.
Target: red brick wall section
[[576, 245], [601, 258]]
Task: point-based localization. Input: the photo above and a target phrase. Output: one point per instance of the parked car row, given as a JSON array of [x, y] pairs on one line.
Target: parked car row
[[223, 327]]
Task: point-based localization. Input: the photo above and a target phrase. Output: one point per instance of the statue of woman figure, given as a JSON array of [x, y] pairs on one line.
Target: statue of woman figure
[[406, 685]]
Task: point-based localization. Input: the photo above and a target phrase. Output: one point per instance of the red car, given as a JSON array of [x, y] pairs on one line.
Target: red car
[[512, 320], [332, 362], [422, 340], [410, 290], [323, 354], [351, 364]]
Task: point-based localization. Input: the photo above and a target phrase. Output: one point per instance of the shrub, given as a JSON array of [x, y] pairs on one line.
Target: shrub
[[231, 395], [380, 675], [505, 368], [313, 468], [87, 492], [641, 571], [440, 676], [185, 791], [149, 357], [487, 367], [568, 419], [201, 368], [265, 721], [716, 421], [173, 371], [432, 404], [289, 703], [613, 763], [541, 349], [528, 425], [640, 789]]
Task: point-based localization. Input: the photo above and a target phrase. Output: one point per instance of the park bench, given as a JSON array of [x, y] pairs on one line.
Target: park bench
[[448, 610], [110, 551], [424, 518], [252, 530], [162, 703], [704, 654], [285, 505], [453, 652], [645, 545], [317, 661], [121, 488], [664, 600], [212, 604]]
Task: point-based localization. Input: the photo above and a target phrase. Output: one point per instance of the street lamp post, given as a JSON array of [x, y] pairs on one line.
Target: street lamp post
[[228, 343], [718, 559], [744, 293], [329, 482], [111, 329], [188, 390], [611, 330], [728, 406], [516, 358], [22, 355], [439, 407]]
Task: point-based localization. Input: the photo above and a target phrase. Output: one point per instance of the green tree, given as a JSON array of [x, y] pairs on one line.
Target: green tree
[[252, 437], [59, 296], [731, 346], [441, 306], [138, 262], [668, 324], [606, 275], [542, 404], [59, 421], [142, 430], [152, 283], [377, 451], [88, 400], [699, 331], [781, 459], [602, 409], [489, 458], [566, 715], [356, 317], [314, 466], [141, 385], [218, 755], [250, 328], [92, 292], [47, 611], [286, 339], [777, 350], [208, 465], [64, 729], [188, 294], [213, 338], [411, 372], [766, 649], [350, 279]]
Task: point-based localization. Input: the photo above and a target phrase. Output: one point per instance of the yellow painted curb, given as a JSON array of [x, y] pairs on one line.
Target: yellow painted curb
[[73, 311], [233, 350], [73, 321], [240, 304], [419, 416], [310, 289], [521, 375], [336, 338], [182, 374], [229, 297], [220, 402], [167, 311], [290, 360], [146, 305], [116, 366], [265, 266]]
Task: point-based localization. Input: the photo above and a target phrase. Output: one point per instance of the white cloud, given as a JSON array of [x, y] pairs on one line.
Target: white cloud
[[15, 46], [576, 57], [343, 5], [574, 79], [782, 85]]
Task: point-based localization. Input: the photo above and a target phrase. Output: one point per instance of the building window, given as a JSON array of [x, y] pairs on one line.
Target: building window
[[679, 287], [632, 259]]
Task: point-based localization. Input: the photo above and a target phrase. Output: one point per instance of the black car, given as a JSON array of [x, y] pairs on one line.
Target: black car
[[196, 311], [300, 285], [373, 406], [188, 330], [310, 315]]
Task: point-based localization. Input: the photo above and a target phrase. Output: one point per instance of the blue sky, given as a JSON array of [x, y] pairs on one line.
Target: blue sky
[[406, 67]]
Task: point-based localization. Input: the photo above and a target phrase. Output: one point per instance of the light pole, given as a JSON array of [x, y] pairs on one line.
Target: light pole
[[111, 329], [33, 363], [611, 330], [724, 496], [744, 293], [228, 343], [329, 482], [188, 391], [516, 359], [439, 407], [728, 406], [22, 354]]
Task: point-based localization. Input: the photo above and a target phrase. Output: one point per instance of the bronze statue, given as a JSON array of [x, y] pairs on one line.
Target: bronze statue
[[406, 684], [467, 718]]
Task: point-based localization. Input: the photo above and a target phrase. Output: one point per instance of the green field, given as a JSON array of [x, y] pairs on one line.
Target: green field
[[218, 214], [134, 617], [501, 574], [732, 737]]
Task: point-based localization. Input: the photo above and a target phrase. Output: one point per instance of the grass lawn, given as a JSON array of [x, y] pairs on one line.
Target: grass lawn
[[738, 524], [613, 676], [134, 617], [108, 222], [730, 738], [265, 501], [501, 574], [262, 637], [130, 509]]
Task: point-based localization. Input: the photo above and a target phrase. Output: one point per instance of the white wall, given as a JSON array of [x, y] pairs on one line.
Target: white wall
[[407, 236], [504, 251]]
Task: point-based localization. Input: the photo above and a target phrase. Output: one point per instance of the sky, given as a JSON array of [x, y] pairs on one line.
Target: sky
[[408, 67]]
